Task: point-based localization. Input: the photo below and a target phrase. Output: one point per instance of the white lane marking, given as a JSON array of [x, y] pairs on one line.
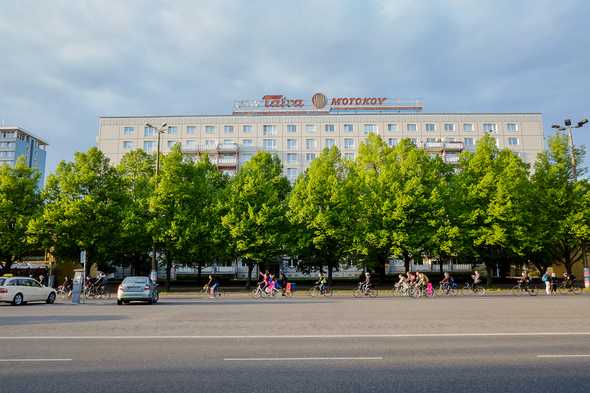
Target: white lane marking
[[563, 356], [33, 360], [300, 336], [300, 359]]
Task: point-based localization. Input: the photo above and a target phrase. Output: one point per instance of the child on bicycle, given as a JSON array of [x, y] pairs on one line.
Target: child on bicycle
[[322, 281]]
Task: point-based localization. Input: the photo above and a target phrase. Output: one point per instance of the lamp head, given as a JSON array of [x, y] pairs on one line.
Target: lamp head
[[556, 126], [582, 122], [149, 125], [164, 125], [568, 122]]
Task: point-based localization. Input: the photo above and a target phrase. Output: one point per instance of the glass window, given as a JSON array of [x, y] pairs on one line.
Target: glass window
[[190, 143], [191, 130], [228, 141], [292, 173], [269, 144], [292, 157], [291, 128], [329, 128], [310, 128], [468, 141], [449, 127], [210, 143], [392, 142], [269, 130], [148, 146], [171, 144], [430, 140], [430, 127], [392, 127], [348, 128], [513, 141], [172, 130], [228, 129], [348, 143], [127, 145], [411, 127], [149, 131], [512, 127], [309, 157], [310, 144], [467, 127], [489, 127], [291, 144], [247, 128], [349, 156], [370, 128], [329, 143], [247, 142], [128, 130], [210, 129]]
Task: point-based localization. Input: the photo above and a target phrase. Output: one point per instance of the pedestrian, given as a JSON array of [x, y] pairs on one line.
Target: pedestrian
[[553, 283], [41, 279], [284, 281], [547, 280]]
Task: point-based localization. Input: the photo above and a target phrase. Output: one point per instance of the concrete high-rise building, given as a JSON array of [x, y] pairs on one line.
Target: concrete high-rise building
[[16, 142], [297, 130]]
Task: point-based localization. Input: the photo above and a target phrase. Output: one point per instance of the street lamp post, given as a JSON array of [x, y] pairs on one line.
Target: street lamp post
[[161, 130], [569, 127]]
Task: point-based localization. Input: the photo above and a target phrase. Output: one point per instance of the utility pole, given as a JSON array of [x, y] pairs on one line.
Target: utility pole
[[163, 128], [569, 127]]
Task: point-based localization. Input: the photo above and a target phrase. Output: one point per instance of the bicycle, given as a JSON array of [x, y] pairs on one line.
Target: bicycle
[[568, 287], [448, 289], [316, 291], [262, 292], [476, 289], [364, 290], [524, 288], [63, 292]]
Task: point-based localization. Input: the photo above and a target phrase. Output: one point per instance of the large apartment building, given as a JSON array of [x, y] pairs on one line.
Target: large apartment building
[[16, 142], [297, 130]]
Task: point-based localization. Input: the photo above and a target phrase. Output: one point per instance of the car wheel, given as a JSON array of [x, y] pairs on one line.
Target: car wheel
[[50, 298], [18, 299], [119, 302], [126, 301]]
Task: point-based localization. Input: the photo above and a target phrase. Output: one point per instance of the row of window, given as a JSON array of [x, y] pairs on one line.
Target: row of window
[[271, 129], [7, 134], [7, 145], [310, 144], [6, 154]]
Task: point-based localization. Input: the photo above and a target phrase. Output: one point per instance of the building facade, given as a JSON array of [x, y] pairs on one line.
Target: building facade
[[16, 142], [297, 130]]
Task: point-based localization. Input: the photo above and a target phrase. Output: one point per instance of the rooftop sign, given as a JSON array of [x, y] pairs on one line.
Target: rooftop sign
[[319, 103]]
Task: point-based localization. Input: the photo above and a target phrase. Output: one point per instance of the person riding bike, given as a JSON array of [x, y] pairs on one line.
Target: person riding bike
[[401, 282], [322, 281], [569, 280], [524, 280], [447, 282], [475, 279], [366, 284]]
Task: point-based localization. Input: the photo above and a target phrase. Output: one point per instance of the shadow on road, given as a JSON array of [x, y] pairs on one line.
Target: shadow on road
[[47, 319]]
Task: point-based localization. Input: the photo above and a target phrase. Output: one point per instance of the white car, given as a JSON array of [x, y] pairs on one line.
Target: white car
[[20, 290]]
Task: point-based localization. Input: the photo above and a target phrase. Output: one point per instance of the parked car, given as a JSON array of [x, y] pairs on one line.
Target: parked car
[[20, 290], [137, 289]]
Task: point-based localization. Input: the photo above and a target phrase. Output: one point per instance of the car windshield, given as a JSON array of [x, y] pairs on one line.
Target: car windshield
[[135, 280]]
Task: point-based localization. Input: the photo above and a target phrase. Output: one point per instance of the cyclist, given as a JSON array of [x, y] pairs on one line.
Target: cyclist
[[366, 284], [422, 280], [271, 283], [401, 282], [214, 287], [524, 280], [546, 278], [475, 278], [207, 287], [569, 280], [264, 283], [447, 283], [322, 281], [284, 281]]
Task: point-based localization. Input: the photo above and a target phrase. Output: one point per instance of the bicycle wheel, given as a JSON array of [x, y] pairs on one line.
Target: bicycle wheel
[[481, 291], [532, 290], [313, 292], [516, 290], [372, 292], [328, 291], [576, 290], [356, 292], [256, 293]]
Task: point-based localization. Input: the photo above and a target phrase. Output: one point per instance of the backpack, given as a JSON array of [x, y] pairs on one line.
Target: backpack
[[545, 277]]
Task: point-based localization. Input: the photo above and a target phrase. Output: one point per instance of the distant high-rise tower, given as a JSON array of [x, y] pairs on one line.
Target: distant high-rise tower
[[16, 142]]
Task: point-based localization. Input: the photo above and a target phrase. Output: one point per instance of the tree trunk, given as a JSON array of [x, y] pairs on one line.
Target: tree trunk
[[200, 273], [407, 261], [250, 268], [490, 270], [382, 258], [330, 269], [168, 268]]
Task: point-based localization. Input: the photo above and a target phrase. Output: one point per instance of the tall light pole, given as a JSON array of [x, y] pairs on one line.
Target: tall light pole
[[569, 127], [161, 130]]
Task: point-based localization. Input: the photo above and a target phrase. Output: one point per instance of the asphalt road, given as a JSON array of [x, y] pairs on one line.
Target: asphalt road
[[500, 344]]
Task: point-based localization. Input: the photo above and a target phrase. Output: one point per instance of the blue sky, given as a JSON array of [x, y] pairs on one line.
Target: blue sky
[[65, 63]]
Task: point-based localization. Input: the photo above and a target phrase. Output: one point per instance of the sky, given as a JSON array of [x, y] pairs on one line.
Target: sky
[[65, 63]]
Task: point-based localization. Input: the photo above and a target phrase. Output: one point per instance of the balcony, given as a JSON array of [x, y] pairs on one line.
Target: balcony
[[227, 161], [231, 147], [454, 159], [435, 146], [443, 146]]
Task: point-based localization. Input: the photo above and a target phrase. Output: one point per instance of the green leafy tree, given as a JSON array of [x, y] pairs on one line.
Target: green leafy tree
[[254, 211], [19, 203], [84, 201], [320, 211]]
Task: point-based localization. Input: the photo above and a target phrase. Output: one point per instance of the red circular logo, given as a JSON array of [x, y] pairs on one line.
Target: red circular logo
[[319, 100]]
